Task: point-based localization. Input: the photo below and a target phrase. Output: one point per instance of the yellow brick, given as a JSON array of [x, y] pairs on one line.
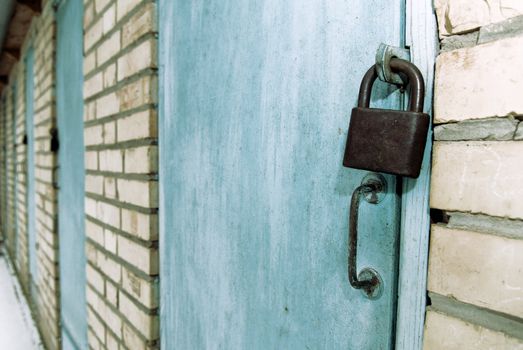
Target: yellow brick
[[141, 57], [111, 160], [95, 279], [110, 75], [140, 24], [89, 62], [478, 177], [143, 258], [141, 193], [476, 268], [139, 92], [109, 19], [144, 226], [107, 105], [147, 324], [94, 184], [479, 82], [109, 48], [145, 292], [443, 332], [110, 187], [93, 135], [93, 35], [125, 6], [137, 126], [109, 132], [458, 16], [93, 85], [108, 214], [110, 241], [141, 160]]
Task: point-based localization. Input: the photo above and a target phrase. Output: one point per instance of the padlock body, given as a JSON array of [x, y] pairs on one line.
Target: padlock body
[[386, 141]]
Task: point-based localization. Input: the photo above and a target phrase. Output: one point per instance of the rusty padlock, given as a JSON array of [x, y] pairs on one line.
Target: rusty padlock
[[384, 140]]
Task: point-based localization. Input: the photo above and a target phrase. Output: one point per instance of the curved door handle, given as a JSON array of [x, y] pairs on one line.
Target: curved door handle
[[368, 280]]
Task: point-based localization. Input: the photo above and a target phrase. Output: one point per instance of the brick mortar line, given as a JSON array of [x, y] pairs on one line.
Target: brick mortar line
[[150, 177], [126, 321], [119, 24], [487, 318], [122, 205], [44, 182], [99, 68], [120, 115], [482, 224], [134, 77], [40, 109], [120, 261], [149, 244], [148, 311], [149, 141]]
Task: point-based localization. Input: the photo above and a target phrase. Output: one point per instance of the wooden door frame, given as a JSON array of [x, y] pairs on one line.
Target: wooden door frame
[[421, 38]]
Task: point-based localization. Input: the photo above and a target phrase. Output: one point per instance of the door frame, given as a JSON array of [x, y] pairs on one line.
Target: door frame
[[421, 38]]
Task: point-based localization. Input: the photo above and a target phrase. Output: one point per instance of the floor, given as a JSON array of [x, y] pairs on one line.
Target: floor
[[17, 329]]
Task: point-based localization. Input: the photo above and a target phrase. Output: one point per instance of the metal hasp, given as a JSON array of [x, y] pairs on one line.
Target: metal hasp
[[368, 280], [384, 140], [383, 56]]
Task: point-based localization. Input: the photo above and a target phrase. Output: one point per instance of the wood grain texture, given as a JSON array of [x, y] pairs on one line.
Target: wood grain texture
[[254, 108], [422, 39]]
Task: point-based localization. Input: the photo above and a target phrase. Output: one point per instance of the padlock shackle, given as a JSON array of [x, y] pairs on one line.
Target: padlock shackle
[[417, 85]]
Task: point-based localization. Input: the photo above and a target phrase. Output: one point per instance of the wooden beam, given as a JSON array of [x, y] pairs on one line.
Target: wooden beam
[[35, 5], [14, 53]]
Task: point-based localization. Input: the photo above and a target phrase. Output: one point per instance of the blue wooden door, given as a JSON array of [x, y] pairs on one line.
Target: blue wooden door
[[254, 109], [30, 166], [69, 98]]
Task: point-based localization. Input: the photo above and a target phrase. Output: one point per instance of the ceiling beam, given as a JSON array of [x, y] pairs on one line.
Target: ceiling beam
[[12, 52], [35, 5]]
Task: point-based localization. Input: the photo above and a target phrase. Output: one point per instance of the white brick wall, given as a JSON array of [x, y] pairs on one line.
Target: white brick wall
[[479, 82], [475, 277], [478, 177], [122, 165], [447, 333], [458, 16], [476, 268]]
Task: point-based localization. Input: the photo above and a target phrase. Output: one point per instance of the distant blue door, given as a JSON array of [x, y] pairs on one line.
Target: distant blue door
[[69, 99], [254, 109], [30, 165]]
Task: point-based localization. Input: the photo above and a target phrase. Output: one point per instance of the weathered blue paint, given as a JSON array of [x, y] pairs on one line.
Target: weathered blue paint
[[69, 100], [255, 99], [30, 165]]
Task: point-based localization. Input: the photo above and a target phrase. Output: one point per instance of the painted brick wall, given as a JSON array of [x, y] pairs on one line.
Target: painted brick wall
[[475, 279], [120, 93]]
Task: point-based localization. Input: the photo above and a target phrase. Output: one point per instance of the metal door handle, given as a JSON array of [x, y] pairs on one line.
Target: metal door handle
[[368, 280]]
